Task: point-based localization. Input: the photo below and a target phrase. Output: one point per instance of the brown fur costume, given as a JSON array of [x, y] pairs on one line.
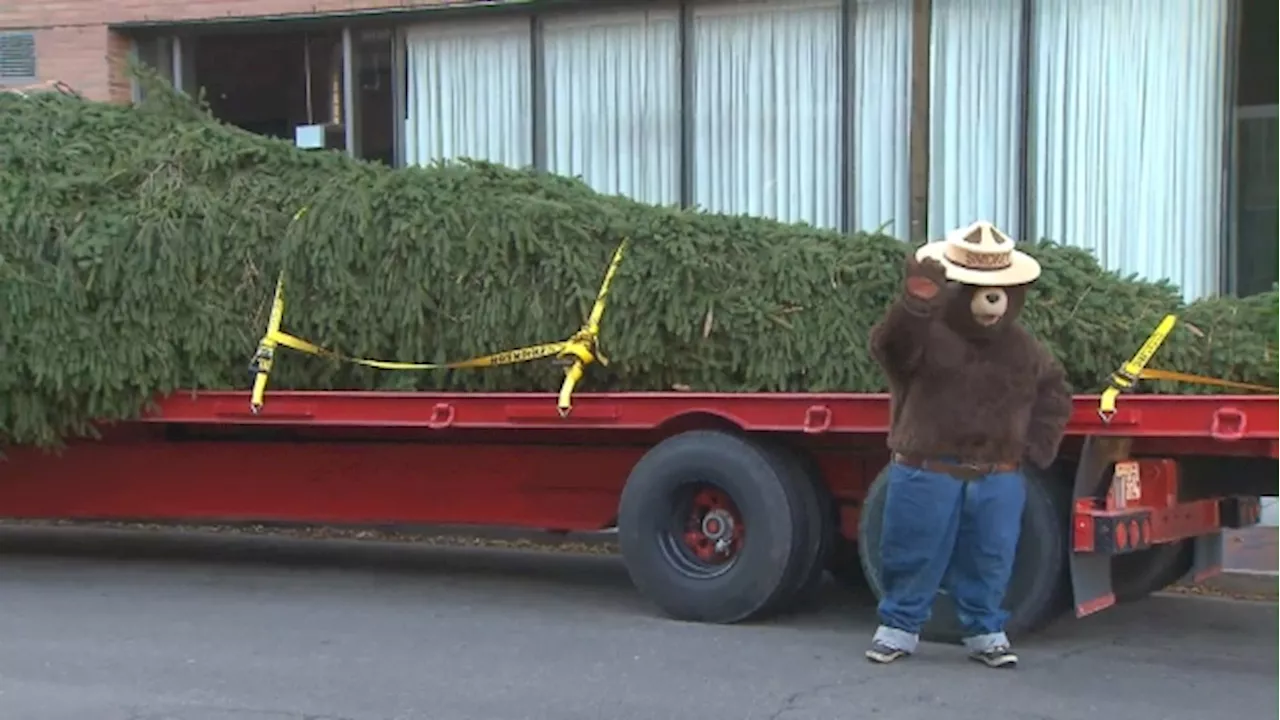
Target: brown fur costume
[[964, 391]]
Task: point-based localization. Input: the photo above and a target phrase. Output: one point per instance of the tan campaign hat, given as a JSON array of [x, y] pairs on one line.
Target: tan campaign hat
[[982, 255]]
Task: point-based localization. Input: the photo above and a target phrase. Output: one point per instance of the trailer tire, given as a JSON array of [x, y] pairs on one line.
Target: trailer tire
[[845, 565], [694, 479], [1136, 575], [1039, 588], [817, 528]]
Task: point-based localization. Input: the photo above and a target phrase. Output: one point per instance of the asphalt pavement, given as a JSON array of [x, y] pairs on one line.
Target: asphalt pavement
[[102, 625]]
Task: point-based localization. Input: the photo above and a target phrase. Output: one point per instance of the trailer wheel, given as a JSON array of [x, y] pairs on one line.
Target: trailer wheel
[[1136, 575], [817, 528], [710, 528], [1039, 589], [845, 565]]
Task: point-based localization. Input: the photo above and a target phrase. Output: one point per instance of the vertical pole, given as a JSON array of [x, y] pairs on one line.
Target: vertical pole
[[847, 93], [1025, 68], [175, 49], [538, 88], [921, 18], [686, 104], [348, 91], [399, 91], [1229, 226], [135, 89]]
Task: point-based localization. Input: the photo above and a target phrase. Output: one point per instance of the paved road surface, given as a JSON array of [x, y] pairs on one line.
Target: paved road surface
[[258, 629]]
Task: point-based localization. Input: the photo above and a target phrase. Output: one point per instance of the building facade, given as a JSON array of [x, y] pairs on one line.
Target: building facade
[[1147, 137]]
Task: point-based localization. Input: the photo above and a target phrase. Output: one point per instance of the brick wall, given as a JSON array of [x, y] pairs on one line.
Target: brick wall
[[89, 58], [74, 42]]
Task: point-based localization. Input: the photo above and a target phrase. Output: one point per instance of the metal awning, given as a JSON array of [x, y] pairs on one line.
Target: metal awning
[[371, 16]]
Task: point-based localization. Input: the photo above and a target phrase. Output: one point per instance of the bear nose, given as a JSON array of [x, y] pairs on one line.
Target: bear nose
[[993, 298]]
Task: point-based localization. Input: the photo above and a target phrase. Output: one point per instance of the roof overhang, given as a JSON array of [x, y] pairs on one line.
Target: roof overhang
[[356, 18]]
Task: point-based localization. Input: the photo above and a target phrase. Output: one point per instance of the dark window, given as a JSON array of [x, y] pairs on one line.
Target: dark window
[[17, 57]]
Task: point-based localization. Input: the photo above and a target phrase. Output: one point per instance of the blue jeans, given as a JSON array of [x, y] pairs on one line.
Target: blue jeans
[[961, 536]]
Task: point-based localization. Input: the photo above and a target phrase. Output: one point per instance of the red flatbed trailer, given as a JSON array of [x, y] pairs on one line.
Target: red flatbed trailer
[[728, 507]]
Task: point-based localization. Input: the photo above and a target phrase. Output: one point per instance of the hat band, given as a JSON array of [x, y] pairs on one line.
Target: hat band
[[971, 260]]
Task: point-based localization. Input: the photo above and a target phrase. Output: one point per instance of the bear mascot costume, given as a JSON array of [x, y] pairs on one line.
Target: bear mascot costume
[[974, 396]]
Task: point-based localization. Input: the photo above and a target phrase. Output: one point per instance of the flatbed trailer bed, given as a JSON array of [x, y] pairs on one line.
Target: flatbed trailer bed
[[728, 507]]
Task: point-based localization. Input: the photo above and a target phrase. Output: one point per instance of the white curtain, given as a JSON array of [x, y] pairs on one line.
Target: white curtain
[[766, 110], [881, 123], [1128, 124], [613, 101], [469, 92], [974, 123]]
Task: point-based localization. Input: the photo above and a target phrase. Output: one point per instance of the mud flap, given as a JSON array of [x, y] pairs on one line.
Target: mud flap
[[1209, 551], [1091, 572]]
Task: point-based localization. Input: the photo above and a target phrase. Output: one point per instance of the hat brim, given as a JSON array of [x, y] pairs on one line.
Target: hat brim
[[1022, 270]]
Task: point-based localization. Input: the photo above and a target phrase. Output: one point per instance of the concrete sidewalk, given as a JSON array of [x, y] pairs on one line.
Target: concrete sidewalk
[[1249, 569], [1254, 549]]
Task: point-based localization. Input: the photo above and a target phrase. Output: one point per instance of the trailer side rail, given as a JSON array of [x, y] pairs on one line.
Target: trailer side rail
[[1223, 418]]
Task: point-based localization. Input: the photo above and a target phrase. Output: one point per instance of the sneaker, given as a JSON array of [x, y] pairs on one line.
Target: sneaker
[[996, 657], [884, 654]]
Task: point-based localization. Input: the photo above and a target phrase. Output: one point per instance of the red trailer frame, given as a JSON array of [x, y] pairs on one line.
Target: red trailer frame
[[511, 459]]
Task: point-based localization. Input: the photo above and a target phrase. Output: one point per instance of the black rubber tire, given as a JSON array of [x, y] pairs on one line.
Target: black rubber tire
[[766, 566], [1136, 575], [1039, 591], [818, 528]]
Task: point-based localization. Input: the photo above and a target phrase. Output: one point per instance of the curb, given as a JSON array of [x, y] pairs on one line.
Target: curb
[[1243, 584]]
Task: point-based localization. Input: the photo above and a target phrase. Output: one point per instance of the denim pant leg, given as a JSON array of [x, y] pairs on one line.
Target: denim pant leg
[[986, 544], [921, 517]]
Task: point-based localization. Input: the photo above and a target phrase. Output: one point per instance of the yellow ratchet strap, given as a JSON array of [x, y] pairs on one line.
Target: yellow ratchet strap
[[1136, 369], [580, 350], [1174, 376], [583, 347]]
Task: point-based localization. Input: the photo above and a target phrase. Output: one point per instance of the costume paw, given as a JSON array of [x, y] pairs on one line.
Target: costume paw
[[925, 278]]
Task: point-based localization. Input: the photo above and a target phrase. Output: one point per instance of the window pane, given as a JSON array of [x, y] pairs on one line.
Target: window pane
[[880, 179], [974, 123], [469, 93], [613, 102], [1257, 228], [1128, 122], [766, 110]]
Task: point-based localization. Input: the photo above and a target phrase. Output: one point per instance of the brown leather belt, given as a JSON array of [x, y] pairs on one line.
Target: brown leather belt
[[960, 471]]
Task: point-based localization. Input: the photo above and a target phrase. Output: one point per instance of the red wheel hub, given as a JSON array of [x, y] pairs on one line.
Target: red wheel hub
[[713, 531]]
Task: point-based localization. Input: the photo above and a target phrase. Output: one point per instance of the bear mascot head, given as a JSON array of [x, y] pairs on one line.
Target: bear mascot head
[[982, 277]]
